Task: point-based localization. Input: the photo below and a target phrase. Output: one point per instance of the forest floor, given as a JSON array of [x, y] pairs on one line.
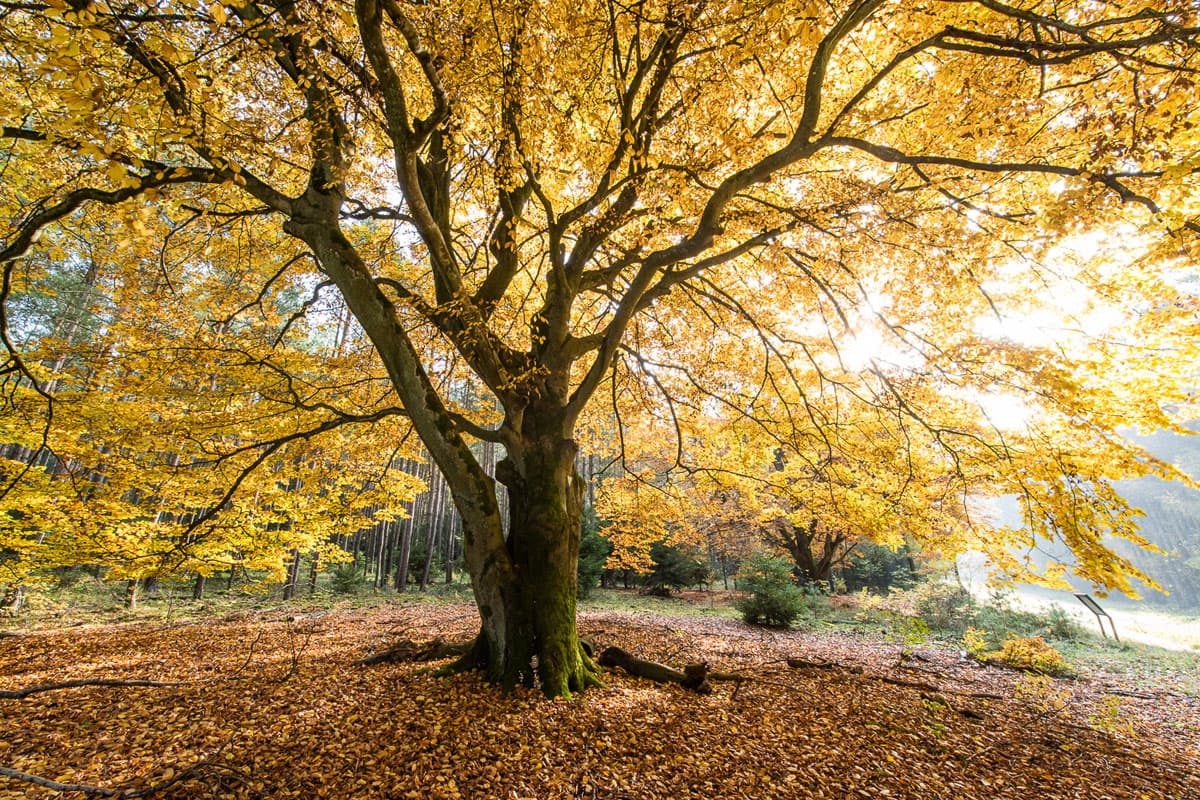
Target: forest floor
[[270, 704]]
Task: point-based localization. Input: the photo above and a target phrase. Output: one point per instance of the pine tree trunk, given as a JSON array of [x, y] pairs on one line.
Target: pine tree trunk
[[415, 510], [450, 537], [431, 545], [293, 576], [389, 560], [433, 530], [401, 581], [381, 537]]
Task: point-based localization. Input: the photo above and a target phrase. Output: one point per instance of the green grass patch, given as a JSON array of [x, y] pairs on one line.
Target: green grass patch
[[1136, 662]]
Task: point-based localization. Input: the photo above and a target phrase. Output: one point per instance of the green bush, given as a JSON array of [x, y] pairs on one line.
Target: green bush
[[944, 606], [1058, 624], [878, 567], [1000, 617], [773, 598]]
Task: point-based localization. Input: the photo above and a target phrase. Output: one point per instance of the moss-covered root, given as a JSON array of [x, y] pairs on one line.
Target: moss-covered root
[[577, 674], [474, 659]]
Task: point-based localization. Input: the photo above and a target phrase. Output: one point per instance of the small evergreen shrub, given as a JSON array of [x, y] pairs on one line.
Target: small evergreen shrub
[[347, 579], [878, 567], [773, 598], [1061, 625], [675, 567], [1001, 615], [594, 550]]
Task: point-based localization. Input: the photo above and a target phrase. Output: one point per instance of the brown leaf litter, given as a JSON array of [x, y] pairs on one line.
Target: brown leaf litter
[[272, 706]]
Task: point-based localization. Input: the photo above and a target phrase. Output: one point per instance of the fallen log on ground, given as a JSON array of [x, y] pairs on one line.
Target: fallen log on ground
[[929, 691], [801, 663]]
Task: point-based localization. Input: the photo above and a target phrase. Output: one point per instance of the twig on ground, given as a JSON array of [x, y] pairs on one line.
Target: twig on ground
[[297, 651]]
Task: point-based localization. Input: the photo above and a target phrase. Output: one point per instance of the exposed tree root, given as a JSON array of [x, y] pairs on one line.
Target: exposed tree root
[[25, 777], [471, 656], [936, 698], [929, 691], [694, 676], [801, 663], [20, 694], [408, 651]]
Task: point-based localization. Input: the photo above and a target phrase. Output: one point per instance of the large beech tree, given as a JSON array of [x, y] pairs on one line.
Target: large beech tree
[[538, 195]]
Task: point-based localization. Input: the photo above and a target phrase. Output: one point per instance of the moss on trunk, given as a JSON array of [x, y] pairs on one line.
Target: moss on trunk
[[528, 635]]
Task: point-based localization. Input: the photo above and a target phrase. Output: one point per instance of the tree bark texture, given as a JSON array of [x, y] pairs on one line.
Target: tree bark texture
[[530, 614]]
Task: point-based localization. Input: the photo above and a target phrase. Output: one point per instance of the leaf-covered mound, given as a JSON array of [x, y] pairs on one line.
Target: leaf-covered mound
[[271, 706]]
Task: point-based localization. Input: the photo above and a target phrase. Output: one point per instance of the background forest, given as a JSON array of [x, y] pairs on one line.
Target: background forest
[[388, 524]]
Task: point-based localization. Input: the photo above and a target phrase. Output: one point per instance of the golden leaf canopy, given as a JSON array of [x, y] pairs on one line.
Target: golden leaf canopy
[[930, 251]]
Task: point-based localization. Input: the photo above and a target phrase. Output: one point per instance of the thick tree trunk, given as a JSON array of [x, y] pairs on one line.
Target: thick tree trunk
[[524, 584], [800, 541], [528, 612]]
